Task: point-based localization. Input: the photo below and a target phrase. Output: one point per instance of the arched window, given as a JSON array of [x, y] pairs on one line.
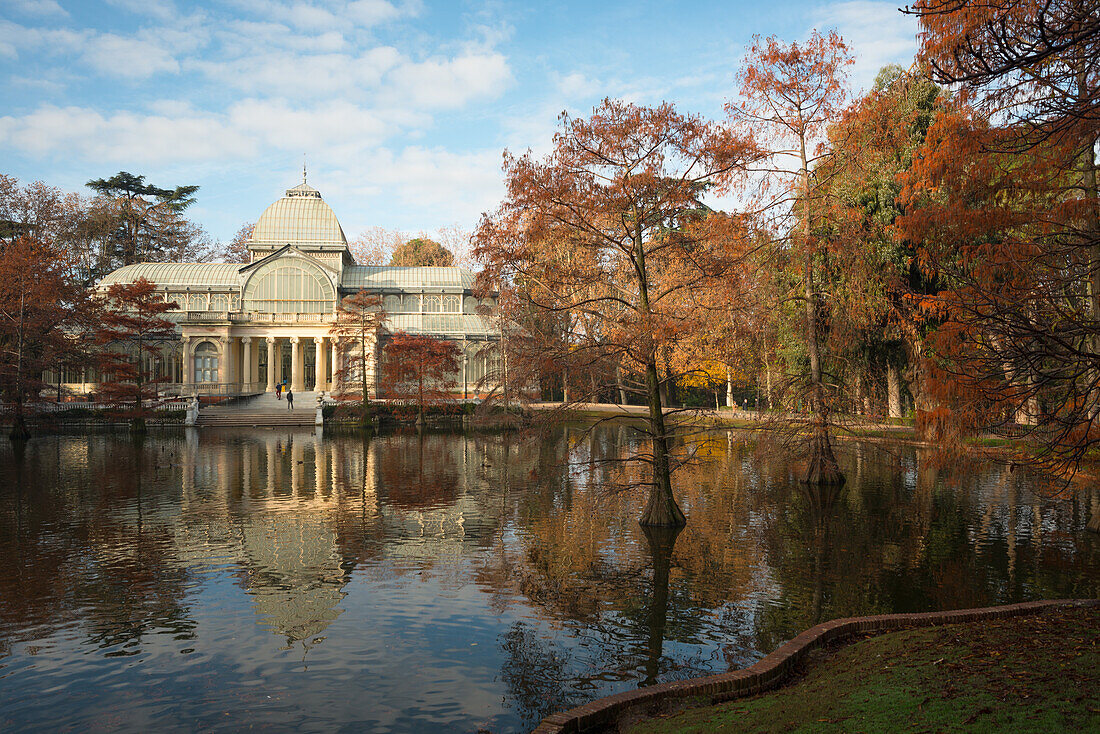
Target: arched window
[[219, 302], [392, 304], [206, 362], [412, 304], [289, 286], [451, 303], [196, 302], [433, 304]]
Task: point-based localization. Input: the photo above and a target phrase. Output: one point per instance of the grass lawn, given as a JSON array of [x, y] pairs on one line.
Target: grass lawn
[[1038, 673]]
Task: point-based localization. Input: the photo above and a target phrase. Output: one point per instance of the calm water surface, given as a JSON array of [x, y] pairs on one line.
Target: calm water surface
[[280, 580]]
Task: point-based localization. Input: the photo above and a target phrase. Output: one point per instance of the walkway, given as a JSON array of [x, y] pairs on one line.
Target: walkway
[[262, 410]]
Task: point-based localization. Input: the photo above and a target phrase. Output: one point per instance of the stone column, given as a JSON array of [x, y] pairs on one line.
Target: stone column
[[188, 362], [246, 360], [334, 353], [321, 366], [254, 366], [226, 371], [270, 363], [295, 365]]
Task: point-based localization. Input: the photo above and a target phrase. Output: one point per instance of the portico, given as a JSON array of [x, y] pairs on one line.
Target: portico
[[250, 361]]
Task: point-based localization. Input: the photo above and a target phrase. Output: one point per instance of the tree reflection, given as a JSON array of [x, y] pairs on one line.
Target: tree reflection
[[661, 543]]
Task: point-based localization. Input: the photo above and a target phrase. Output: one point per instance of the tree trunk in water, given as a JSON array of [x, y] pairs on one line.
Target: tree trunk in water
[[19, 430], [893, 392], [661, 510], [823, 468]]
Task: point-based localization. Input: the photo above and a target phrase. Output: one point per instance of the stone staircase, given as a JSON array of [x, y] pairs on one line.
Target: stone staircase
[[261, 410]]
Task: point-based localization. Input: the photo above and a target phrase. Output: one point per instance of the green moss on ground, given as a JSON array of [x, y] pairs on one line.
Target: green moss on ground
[[1039, 673]]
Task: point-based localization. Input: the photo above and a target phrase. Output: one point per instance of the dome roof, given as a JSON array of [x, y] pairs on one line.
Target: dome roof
[[300, 218]]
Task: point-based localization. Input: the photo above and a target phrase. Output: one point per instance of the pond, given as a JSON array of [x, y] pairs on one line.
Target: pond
[[448, 582]]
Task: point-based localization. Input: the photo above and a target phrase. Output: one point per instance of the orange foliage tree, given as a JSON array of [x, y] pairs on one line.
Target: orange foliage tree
[[418, 368], [1006, 200], [41, 309], [790, 93], [356, 331], [133, 332], [877, 327], [603, 243]]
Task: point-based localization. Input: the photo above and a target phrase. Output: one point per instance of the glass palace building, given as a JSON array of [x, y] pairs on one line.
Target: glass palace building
[[242, 328]]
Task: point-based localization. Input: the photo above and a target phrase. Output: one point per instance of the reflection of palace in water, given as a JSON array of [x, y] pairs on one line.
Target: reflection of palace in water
[[297, 514]]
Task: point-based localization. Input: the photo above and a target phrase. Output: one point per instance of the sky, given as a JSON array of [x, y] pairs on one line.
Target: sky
[[400, 110]]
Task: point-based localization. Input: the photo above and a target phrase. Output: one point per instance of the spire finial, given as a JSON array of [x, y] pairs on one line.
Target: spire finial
[[303, 167]]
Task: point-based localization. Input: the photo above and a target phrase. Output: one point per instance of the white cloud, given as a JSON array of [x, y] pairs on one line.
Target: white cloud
[[876, 32], [337, 123], [44, 8], [124, 136], [576, 85], [372, 12], [128, 57], [159, 9], [329, 14], [440, 83], [444, 186], [305, 75], [173, 131]]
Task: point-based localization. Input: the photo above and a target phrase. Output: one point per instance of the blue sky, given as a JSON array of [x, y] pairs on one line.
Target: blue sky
[[402, 109]]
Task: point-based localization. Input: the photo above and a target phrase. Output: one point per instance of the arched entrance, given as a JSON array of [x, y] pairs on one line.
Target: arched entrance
[[206, 363]]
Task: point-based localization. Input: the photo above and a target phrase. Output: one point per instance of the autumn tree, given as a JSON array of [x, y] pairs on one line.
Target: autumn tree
[[609, 231], [421, 251], [141, 218], [375, 245], [877, 324], [1022, 317], [418, 368], [358, 317], [40, 309], [36, 210], [237, 249], [790, 94], [133, 332]]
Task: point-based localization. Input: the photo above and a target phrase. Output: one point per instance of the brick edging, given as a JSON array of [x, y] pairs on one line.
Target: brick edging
[[771, 670]]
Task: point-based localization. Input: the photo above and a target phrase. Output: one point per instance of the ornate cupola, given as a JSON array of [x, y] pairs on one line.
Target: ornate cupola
[[303, 220]]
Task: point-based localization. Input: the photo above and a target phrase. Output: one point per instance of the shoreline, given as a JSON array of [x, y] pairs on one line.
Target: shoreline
[[773, 670]]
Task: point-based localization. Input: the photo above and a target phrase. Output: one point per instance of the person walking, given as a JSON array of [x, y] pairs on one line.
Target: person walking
[[278, 391], [289, 399]]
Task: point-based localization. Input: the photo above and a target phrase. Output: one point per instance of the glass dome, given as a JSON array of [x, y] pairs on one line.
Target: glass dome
[[300, 218]]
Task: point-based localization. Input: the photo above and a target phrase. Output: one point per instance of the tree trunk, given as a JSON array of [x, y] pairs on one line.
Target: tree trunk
[[893, 392], [661, 510], [823, 468], [19, 431], [729, 387]]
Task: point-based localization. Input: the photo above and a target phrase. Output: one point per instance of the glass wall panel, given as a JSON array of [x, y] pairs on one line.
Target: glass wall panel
[[206, 362], [289, 288]]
